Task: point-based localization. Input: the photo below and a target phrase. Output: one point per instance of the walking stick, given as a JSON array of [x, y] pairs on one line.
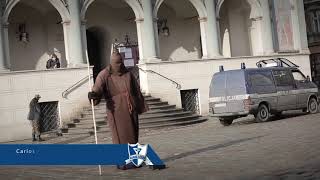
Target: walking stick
[[92, 108]]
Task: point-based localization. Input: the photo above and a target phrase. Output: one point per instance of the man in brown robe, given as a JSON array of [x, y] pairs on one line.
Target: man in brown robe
[[124, 100]]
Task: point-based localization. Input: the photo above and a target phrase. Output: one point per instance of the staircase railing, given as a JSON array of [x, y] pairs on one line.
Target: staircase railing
[[75, 86], [178, 86], [85, 79]]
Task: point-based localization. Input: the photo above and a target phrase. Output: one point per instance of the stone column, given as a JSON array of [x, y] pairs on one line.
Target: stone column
[[266, 31], [6, 48], [84, 39], [66, 39], [304, 48], [156, 35], [299, 26], [140, 39], [2, 51], [75, 35], [203, 23], [149, 44], [212, 31]]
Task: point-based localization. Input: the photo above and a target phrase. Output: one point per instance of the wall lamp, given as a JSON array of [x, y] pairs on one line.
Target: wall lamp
[[163, 28], [22, 34]]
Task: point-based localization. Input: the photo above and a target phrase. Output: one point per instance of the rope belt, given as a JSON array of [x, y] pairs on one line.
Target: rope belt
[[127, 94], [130, 107]]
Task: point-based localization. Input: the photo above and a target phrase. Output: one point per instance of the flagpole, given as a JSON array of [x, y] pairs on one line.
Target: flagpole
[[92, 108]]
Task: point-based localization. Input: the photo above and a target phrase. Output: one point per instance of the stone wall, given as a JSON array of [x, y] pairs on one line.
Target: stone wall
[[197, 74], [18, 88]]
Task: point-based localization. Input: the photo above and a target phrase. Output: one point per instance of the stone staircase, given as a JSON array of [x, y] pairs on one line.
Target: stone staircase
[[160, 115]]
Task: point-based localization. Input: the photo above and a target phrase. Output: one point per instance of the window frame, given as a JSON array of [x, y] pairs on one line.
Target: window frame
[[297, 71], [264, 73], [292, 82]]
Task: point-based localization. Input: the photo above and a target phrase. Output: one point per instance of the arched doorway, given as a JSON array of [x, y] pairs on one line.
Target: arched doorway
[[35, 32], [184, 39], [96, 45], [240, 28], [108, 22]]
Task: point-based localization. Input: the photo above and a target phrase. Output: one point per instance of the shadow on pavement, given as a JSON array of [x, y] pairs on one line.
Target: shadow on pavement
[[209, 148], [309, 171], [284, 116]]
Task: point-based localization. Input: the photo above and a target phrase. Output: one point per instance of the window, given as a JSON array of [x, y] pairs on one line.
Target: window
[[282, 78], [313, 19], [235, 79], [317, 22], [298, 76], [49, 116], [261, 79], [190, 100]]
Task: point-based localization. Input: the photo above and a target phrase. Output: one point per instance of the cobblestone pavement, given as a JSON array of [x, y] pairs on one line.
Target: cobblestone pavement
[[287, 148]]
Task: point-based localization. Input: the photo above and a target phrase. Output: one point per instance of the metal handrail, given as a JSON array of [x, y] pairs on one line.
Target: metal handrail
[[74, 86], [178, 86]]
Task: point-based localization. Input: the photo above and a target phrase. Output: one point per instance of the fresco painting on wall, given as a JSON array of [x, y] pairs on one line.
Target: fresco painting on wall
[[284, 24]]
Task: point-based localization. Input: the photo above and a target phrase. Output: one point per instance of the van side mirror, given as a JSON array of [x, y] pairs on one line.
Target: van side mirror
[[308, 79]]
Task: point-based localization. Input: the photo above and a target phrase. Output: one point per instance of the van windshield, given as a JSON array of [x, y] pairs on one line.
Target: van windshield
[[298, 76]]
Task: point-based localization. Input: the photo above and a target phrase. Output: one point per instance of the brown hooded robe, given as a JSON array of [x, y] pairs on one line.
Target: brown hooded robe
[[124, 102]]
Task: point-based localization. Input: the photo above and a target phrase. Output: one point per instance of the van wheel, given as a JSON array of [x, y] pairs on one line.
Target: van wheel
[[263, 114], [226, 121], [312, 106]]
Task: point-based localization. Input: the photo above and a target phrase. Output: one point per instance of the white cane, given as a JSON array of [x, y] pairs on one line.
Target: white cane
[[92, 108]]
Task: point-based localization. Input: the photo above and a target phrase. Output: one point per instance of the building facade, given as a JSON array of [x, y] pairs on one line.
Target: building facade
[[181, 44], [312, 11]]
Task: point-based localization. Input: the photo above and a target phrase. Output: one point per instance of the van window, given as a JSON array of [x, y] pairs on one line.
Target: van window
[[235, 79], [235, 83], [261, 79], [282, 78], [218, 85]]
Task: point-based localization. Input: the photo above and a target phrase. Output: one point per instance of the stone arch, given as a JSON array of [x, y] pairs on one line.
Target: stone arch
[[198, 5], [201, 9], [58, 5], [184, 20], [256, 9], [156, 7], [135, 6], [62, 9], [249, 12], [8, 9]]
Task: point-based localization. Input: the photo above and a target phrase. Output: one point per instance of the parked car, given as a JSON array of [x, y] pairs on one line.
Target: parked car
[[263, 92]]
